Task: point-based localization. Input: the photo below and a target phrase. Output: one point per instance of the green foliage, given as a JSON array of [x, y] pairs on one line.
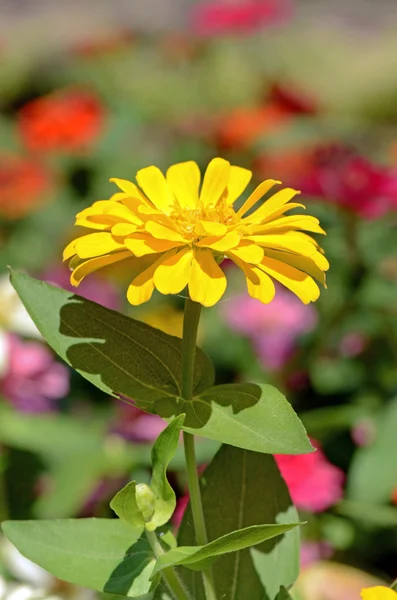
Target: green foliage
[[241, 489], [120, 355], [125, 506], [107, 555], [202, 557]]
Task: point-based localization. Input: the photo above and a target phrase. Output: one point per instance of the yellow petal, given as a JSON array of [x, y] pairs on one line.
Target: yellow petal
[[142, 244], [301, 284], [97, 244], [215, 181], [90, 223], [70, 250], [259, 285], [292, 222], [256, 195], [273, 203], [303, 263], [210, 228], [173, 274], [123, 229], [184, 180], [207, 282], [142, 287], [162, 232], [230, 240], [239, 178], [285, 242], [378, 592], [89, 266], [283, 209], [156, 188], [127, 186], [248, 252]]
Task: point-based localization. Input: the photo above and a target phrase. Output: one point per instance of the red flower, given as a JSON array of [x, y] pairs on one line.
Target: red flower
[[314, 483], [68, 121], [338, 174], [225, 16], [24, 186]]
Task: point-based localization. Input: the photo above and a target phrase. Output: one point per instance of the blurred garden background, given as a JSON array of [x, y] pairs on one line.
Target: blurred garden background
[[304, 92]]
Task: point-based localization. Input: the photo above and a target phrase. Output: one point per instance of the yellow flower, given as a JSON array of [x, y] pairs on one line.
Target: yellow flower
[[378, 593], [186, 232]]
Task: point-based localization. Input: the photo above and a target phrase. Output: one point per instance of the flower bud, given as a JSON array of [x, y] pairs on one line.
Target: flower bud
[[145, 500]]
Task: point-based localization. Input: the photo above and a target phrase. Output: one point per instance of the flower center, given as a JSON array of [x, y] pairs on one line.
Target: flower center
[[187, 218]]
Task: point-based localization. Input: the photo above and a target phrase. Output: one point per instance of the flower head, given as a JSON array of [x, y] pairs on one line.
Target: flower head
[[68, 120], [378, 592], [184, 233]]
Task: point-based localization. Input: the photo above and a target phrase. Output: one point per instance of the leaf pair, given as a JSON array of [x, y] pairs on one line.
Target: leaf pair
[[129, 359]]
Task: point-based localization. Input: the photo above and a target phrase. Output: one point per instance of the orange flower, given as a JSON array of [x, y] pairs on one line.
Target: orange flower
[[67, 120], [24, 186]]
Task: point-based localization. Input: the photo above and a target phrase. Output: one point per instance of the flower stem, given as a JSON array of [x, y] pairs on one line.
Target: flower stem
[[169, 574], [190, 326]]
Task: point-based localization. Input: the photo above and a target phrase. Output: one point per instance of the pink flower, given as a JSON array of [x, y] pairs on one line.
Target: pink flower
[[219, 17], [136, 425], [340, 175], [314, 551], [33, 381], [96, 289], [313, 482], [273, 328]]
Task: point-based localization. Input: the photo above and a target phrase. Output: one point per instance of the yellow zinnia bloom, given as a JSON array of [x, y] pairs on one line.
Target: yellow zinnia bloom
[[186, 232], [378, 593]]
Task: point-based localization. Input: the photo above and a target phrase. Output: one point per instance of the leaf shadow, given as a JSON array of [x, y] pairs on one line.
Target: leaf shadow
[[133, 573]]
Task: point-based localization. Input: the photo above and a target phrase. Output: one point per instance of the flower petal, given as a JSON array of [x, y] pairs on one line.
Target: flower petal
[[162, 232], [210, 228], [93, 264], [141, 244], [127, 187], [207, 282], [239, 178], [156, 188], [173, 274], [123, 229], [303, 263], [259, 285], [287, 242], [248, 251], [273, 203], [379, 592], [300, 222], [230, 240], [301, 284], [97, 244], [184, 180], [256, 195], [141, 288], [215, 181]]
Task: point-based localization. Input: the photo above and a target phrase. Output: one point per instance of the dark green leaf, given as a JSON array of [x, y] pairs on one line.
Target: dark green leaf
[[119, 355], [246, 415], [283, 595], [107, 555], [201, 557], [241, 489]]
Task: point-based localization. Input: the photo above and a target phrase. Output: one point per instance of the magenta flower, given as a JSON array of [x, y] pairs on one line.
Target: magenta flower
[[219, 17], [136, 425], [33, 380], [313, 482], [340, 175], [96, 289], [314, 551], [272, 328]]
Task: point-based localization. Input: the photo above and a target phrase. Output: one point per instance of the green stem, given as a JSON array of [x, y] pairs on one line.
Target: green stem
[[190, 326], [169, 574]]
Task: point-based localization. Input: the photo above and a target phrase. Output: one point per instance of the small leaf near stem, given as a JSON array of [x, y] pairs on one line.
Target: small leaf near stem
[[169, 574], [190, 326]]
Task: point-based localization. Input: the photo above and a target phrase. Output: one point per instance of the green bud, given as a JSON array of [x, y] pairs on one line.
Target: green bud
[[145, 500]]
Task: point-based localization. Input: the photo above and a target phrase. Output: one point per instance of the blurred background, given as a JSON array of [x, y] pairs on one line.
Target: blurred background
[[302, 91]]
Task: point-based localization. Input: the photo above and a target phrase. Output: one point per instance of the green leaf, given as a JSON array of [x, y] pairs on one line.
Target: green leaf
[[125, 506], [283, 595], [162, 453], [120, 355], [201, 557], [241, 489], [246, 415], [372, 473], [107, 555]]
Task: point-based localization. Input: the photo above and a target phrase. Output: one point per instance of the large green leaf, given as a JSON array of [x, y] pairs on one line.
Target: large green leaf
[[201, 557], [373, 472], [241, 489], [119, 355], [246, 415], [107, 555]]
